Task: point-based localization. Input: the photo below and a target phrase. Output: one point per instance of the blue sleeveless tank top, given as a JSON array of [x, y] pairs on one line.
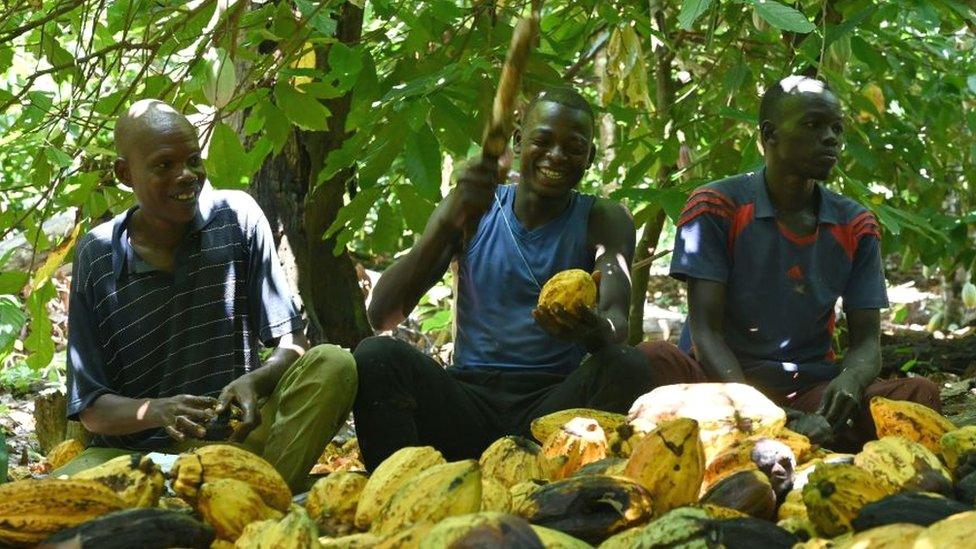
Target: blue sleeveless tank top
[[497, 291]]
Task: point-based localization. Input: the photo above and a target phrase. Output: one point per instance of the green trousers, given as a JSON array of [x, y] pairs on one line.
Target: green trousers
[[306, 409]]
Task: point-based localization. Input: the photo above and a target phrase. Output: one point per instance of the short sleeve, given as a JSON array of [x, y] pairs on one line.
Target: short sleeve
[[701, 242], [87, 377], [270, 305], [866, 285]]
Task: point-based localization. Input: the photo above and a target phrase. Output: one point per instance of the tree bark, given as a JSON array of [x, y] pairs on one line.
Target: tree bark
[[664, 98], [285, 186]]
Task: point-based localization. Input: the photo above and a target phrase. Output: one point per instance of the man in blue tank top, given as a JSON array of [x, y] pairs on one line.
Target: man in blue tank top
[[513, 363]]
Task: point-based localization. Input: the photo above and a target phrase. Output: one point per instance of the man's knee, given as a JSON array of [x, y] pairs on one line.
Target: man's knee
[[919, 390], [333, 367], [624, 364], [671, 364], [378, 353]]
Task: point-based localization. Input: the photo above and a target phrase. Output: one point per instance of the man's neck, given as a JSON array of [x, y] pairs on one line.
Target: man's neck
[[156, 233], [533, 210], [789, 193]]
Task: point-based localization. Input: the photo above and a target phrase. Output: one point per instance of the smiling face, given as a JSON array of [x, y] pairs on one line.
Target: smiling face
[[556, 145], [160, 160], [804, 136]]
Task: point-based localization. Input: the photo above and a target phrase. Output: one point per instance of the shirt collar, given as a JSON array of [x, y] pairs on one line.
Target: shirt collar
[[827, 212], [124, 258]]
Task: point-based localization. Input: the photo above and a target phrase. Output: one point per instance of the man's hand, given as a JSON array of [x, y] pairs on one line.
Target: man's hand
[[183, 416], [841, 399], [584, 325], [243, 391], [813, 426], [475, 192]]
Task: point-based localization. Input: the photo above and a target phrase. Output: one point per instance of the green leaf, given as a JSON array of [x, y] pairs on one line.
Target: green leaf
[[422, 160], [690, 11], [414, 208], [387, 230], [267, 118], [849, 24], [12, 320], [227, 163], [345, 63], [783, 17], [302, 109], [868, 55], [353, 214], [38, 340], [12, 282], [57, 157]]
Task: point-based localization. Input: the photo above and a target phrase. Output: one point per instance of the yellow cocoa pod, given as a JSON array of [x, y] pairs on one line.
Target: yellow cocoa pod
[[64, 452], [801, 527], [793, 506], [910, 420], [521, 491], [208, 463], [670, 463], [389, 476], [543, 427], [135, 478], [836, 492], [484, 529], [725, 412], [569, 289], [33, 510], [956, 444], [892, 536], [229, 505], [406, 539], [580, 441], [440, 491], [955, 531], [511, 460], [905, 464], [362, 540], [494, 496], [332, 502], [969, 295], [554, 539], [295, 531]]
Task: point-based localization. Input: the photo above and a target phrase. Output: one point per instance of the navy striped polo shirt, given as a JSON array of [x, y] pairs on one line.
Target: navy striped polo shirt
[[138, 332], [780, 288]]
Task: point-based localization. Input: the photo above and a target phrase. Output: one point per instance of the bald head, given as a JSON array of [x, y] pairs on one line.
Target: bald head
[[145, 121]]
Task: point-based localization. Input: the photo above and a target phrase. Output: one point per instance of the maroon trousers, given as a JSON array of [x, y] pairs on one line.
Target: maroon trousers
[[678, 367]]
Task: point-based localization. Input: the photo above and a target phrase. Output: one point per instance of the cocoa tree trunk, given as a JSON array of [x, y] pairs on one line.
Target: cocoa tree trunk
[[285, 187], [664, 98]]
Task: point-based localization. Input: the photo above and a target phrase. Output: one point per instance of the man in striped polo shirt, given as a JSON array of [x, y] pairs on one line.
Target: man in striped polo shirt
[[170, 303], [766, 255]]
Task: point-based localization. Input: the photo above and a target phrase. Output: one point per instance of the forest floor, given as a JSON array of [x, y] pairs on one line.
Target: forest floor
[[907, 349]]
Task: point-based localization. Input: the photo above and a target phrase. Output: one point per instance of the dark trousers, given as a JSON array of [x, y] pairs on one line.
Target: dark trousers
[[405, 398], [682, 368]]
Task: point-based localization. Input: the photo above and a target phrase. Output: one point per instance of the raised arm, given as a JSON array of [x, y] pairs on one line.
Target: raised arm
[[403, 284]]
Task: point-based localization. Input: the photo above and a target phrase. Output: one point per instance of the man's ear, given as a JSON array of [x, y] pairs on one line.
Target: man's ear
[[592, 156], [121, 169], [517, 141], [767, 131]]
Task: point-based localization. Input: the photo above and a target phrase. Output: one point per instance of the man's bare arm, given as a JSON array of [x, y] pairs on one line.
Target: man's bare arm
[[706, 315], [612, 235], [403, 284]]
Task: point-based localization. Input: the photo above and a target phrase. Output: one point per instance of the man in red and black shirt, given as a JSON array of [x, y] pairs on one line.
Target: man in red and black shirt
[[767, 254]]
